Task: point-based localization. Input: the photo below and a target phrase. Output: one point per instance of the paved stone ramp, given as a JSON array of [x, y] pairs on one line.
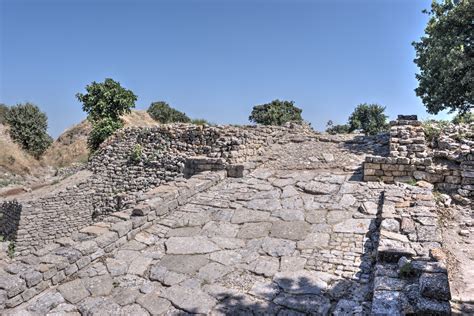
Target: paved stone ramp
[[282, 240]]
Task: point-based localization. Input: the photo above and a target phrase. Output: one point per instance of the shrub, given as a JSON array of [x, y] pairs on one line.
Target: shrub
[[163, 113], [101, 130], [369, 118], [276, 113], [336, 129], [136, 154], [466, 118], [3, 113], [28, 128], [433, 129], [11, 249], [200, 122], [407, 271]]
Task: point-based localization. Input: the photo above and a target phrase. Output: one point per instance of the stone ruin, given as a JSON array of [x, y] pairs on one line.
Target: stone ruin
[[226, 220], [448, 164], [113, 182]]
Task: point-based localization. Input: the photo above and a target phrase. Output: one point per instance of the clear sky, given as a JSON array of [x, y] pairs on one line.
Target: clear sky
[[213, 59]]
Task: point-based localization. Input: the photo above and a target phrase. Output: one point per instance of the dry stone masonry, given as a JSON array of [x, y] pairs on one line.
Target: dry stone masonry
[[410, 275], [30, 275], [132, 162], [448, 162]]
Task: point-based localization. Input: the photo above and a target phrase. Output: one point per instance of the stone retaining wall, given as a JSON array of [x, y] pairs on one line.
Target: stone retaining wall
[[449, 164], [130, 163], [410, 274], [62, 259]]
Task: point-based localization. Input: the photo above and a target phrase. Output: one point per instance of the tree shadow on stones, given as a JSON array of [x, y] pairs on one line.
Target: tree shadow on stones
[[367, 145], [377, 145], [303, 296]]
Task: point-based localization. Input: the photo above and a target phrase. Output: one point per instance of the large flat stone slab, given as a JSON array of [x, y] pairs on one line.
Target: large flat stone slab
[[73, 291], [192, 300], [290, 230], [184, 263], [352, 225], [190, 245]]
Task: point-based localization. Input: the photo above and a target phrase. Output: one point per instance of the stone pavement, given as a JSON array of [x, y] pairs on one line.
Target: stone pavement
[[288, 239]]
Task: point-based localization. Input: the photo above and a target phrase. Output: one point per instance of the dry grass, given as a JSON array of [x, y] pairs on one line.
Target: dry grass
[[12, 158], [139, 118], [71, 146]]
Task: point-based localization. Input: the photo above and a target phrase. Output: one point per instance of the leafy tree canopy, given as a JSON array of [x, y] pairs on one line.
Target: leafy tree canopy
[[106, 100], [369, 118], [28, 128], [445, 57], [163, 113], [276, 113], [105, 103]]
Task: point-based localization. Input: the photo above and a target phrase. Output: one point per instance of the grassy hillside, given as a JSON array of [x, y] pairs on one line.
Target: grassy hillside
[[13, 159], [71, 146]]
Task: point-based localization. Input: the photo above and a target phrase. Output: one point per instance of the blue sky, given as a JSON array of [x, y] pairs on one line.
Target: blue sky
[[213, 59]]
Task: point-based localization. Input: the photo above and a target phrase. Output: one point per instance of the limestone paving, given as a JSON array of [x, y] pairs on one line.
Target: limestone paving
[[287, 239]]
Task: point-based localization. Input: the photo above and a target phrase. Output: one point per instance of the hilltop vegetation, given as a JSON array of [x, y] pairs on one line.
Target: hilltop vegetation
[[71, 146]]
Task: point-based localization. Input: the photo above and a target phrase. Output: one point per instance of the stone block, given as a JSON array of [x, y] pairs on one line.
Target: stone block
[[386, 303], [106, 239], [122, 228], [235, 171], [372, 166], [12, 284], [435, 286]]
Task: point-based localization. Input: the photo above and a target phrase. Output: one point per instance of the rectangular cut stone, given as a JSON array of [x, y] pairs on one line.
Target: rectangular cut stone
[[106, 239], [356, 226], [371, 165]]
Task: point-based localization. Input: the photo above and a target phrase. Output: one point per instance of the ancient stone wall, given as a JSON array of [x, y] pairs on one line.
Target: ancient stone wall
[[448, 163], [62, 259], [410, 273], [133, 161]]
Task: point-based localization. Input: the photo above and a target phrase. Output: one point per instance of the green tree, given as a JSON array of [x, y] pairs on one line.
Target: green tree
[[106, 100], [3, 112], [101, 130], [276, 113], [28, 128], [333, 129], [163, 113], [104, 104], [445, 56], [369, 118]]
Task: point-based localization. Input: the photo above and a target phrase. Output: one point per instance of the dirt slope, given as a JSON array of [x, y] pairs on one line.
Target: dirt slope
[[13, 159], [71, 146]]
